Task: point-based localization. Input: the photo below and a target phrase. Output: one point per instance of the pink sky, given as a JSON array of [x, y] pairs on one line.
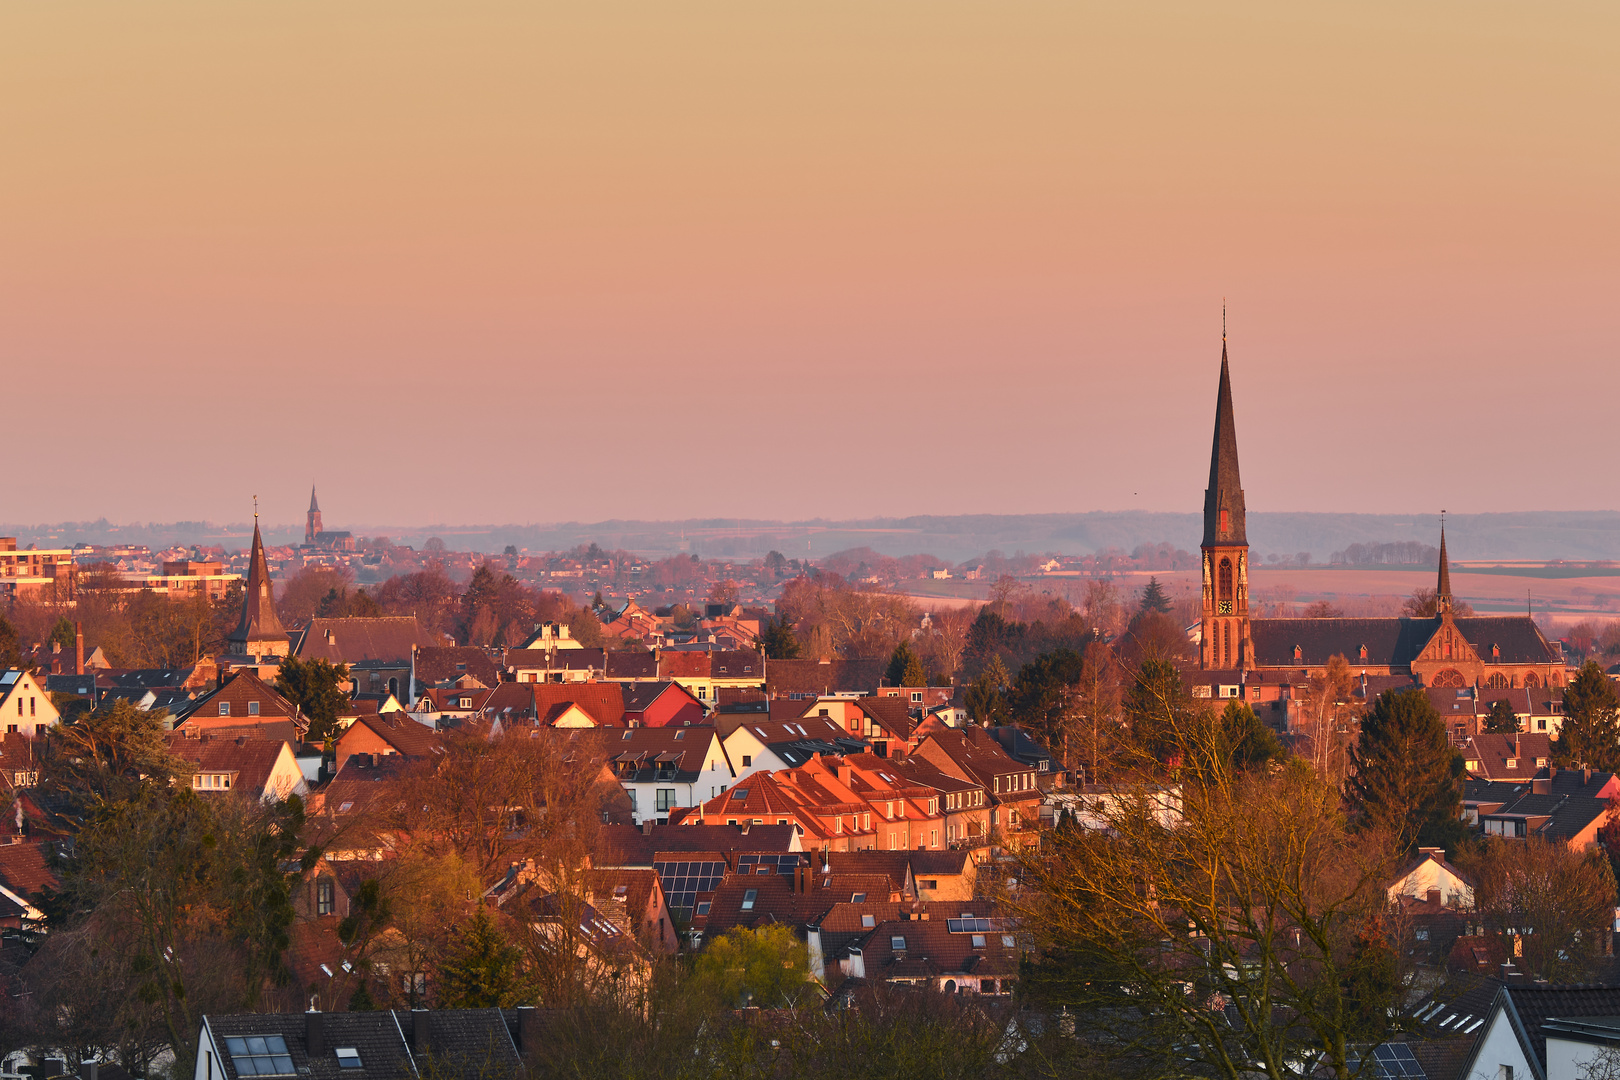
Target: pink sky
[[540, 262]]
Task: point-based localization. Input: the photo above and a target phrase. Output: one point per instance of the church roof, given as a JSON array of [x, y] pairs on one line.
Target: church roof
[[1391, 641], [1443, 589], [1225, 491], [314, 507], [259, 620]]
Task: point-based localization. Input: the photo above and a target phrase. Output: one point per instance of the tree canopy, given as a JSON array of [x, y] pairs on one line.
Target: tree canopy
[[1405, 777], [314, 686], [1590, 733], [1154, 598], [1501, 719]]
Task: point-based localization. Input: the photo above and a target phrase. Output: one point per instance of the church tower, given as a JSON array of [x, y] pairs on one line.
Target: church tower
[[1225, 643], [312, 526], [259, 633]]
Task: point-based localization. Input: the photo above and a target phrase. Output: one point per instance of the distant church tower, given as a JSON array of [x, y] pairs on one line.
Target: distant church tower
[[1225, 641], [312, 526], [258, 633]]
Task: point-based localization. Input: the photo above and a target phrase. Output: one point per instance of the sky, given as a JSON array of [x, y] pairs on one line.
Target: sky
[[535, 262]]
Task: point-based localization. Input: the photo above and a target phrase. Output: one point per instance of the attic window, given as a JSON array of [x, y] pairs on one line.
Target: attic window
[[348, 1057], [461, 667], [260, 1055], [748, 899], [253, 708], [679, 735], [1364, 652], [703, 907], [739, 793], [868, 922], [858, 898], [978, 941], [897, 943]]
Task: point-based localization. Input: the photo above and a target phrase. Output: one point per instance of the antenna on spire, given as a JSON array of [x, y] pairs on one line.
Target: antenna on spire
[[1223, 320], [255, 508]]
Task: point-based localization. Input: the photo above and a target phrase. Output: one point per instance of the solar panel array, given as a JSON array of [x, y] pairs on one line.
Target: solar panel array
[[779, 864], [973, 926], [684, 880], [1394, 1061]]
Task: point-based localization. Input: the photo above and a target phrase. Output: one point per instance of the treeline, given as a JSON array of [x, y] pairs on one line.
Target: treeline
[[1394, 553]]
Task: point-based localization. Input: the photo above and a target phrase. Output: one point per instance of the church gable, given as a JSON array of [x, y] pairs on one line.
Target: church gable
[[1448, 645]]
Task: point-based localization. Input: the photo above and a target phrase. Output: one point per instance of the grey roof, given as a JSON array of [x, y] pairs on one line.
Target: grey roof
[[471, 1042], [1394, 642], [259, 620], [1530, 1007]]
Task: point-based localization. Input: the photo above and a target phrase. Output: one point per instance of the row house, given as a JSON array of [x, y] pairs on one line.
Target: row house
[[886, 723], [244, 704], [1010, 785], [554, 665], [660, 704], [632, 666], [704, 673]]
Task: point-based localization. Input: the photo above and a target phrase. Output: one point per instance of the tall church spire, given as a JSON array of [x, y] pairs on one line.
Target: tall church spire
[[259, 632], [314, 507], [1223, 499], [1442, 592], [312, 524]]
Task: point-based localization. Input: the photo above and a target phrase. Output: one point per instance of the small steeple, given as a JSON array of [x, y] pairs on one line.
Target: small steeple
[[1442, 592], [314, 507], [259, 622], [1223, 499]]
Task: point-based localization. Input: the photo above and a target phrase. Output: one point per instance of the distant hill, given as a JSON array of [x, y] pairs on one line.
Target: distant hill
[[1577, 535]]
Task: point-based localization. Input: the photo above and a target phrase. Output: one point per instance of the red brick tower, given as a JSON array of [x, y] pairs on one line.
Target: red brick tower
[[1225, 640]]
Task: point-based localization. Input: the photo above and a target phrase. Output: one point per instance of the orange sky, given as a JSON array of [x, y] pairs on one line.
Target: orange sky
[[537, 262]]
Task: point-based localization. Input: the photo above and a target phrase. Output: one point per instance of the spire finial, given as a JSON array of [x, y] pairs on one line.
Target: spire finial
[[255, 508], [1223, 320]]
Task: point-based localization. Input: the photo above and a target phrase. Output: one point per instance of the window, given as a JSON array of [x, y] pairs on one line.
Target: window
[[224, 708], [748, 759], [253, 710], [748, 899], [978, 941], [868, 922], [897, 943], [703, 693], [858, 898], [348, 1057], [325, 896], [666, 799], [1007, 941], [632, 793], [916, 697], [260, 1055], [928, 883], [703, 907], [739, 793]]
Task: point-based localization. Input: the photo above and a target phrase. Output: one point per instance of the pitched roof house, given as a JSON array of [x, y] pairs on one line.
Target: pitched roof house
[[264, 769]]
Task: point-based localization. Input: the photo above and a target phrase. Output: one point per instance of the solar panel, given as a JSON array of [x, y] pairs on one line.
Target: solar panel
[[684, 880], [1395, 1061]]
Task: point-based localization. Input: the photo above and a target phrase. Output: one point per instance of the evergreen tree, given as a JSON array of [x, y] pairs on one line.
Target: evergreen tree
[[313, 685], [63, 634], [10, 655], [1250, 742], [903, 664], [986, 700], [1405, 776], [1154, 599], [1157, 710], [1041, 696], [482, 969], [778, 640], [1590, 733], [1501, 720]]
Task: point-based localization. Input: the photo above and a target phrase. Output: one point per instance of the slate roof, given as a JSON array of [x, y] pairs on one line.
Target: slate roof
[[639, 695], [1517, 636], [626, 845], [472, 1041], [815, 677], [632, 664], [386, 638], [1529, 1008], [259, 621], [555, 659], [1225, 489], [443, 664], [1389, 641]]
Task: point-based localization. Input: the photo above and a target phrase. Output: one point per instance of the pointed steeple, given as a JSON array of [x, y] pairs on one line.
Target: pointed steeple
[[1442, 592], [259, 623], [314, 507], [1223, 499]]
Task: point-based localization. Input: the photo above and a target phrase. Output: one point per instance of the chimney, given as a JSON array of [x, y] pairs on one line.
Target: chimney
[[844, 774], [528, 1032], [1433, 896], [89, 1069], [1586, 774], [801, 879], [1516, 751], [78, 648], [419, 1031], [1541, 785], [314, 1034]]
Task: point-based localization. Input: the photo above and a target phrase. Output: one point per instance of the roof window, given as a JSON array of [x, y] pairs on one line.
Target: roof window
[[260, 1055], [703, 907], [739, 793], [897, 943], [348, 1057], [748, 899], [858, 898], [868, 922]]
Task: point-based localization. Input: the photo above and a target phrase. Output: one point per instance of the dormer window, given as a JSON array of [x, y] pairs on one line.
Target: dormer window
[[1496, 652], [1364, 653], [1299, 652]]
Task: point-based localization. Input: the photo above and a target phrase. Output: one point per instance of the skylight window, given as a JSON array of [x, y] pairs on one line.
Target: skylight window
[[978, 941], [260, 1055], [348, 1057], [739, 793], [858, 898], [897, 943], [703, 907], [748, 899], [868, 922]]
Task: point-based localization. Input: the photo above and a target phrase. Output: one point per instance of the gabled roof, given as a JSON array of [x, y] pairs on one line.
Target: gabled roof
[[409, 739], [1527, 752], [638, 664], [440, 664], [892, 714], [1394, 642], [1529, 1007], [352, 641], [25, 870], [823, 678], [626, 845], [737, 664], [252, 760], [601, 701], [645, 754], [480, 1041], [638, 696]]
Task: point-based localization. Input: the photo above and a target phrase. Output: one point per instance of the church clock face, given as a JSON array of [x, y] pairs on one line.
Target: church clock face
[[1224, 607]]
